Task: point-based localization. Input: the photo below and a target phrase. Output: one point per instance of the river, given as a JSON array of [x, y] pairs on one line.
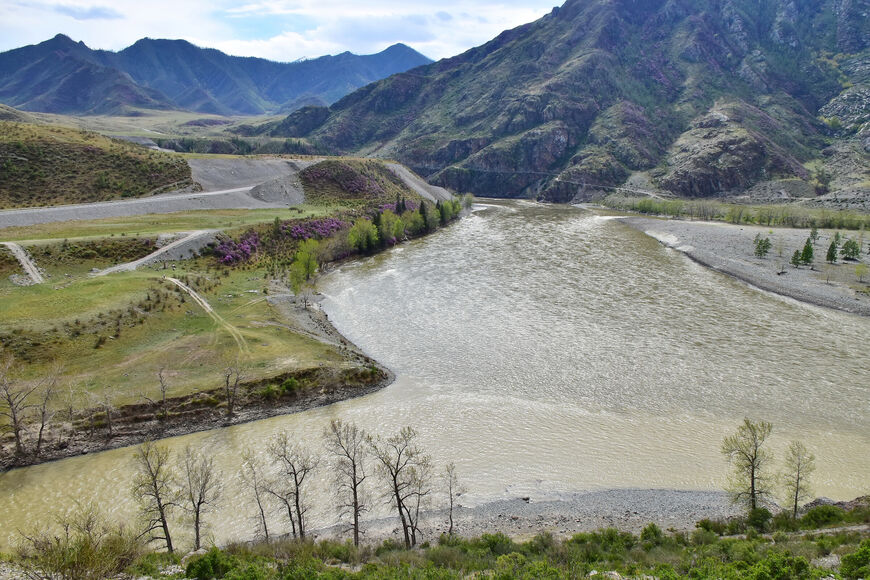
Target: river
[[546, 349]]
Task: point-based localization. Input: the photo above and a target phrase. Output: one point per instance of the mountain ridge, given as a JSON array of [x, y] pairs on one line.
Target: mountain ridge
[[175, 74], [706, 97]]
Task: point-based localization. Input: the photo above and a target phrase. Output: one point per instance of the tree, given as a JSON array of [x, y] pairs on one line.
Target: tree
[[406, 470], [745, 451], [799, 464], [850, 250], [347, 444], [796, 258], [831, 256], [296, 464], [306, 258], [232, 380], [253, 478], [454, 489], [363, 236], [47, 394], [807, 254], [762, 246], [861, 271], [15, 402], [201, 489], [154, 489], [163, 412], [814, 235]]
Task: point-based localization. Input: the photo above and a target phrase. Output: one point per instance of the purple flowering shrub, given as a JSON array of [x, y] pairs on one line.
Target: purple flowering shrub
[[234, 252], [317, 228], [347, 178]]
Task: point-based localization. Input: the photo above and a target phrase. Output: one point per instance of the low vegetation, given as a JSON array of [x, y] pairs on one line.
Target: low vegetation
[[49, 165], [773, 215]]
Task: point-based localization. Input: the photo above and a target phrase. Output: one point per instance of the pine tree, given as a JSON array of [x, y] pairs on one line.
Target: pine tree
[[796, 258], [831, 257], [807, 253]]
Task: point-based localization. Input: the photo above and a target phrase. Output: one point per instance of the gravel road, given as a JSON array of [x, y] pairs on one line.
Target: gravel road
[[27, 264]]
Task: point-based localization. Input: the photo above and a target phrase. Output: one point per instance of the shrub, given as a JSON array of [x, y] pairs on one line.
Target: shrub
[[758, 518], [822, 515], [716, 526], [780, 566], [214, 564], [289, 385], [651, 534], [857, 564]]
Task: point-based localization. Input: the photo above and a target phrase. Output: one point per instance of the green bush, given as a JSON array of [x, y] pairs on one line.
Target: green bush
[[758, 518], [290, 385], [214, 564], [822, 515], [857, 564], [716, 526], [780, 566]]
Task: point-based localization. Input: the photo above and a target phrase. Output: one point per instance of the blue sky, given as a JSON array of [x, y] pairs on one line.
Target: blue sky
[[283, 30]]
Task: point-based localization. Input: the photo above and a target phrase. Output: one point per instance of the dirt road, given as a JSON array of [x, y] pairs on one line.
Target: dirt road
[[26, 263]]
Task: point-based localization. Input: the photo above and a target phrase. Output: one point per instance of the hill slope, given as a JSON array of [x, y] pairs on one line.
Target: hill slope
[[62, 76], [706, 97]]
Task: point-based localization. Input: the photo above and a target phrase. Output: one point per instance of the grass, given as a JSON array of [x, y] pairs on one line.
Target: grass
[[49, 165], [151, 224]]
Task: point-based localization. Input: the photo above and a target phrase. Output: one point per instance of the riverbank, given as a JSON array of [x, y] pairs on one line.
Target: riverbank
[[133, 424], [729, 249]]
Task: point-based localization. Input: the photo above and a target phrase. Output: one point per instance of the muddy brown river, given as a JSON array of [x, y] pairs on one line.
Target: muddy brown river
[[545, 350]]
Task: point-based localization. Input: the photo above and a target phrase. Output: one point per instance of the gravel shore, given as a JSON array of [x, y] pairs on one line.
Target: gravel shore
[[729, 249]]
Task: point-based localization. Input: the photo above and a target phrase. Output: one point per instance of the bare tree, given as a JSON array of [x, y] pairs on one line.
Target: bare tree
[[347, 444], [745, 451], [15, 402], [232, 379], [406, 470], [163, 411], [296, 463], [253, 478], [799, 464], [153, 488], [45, 413], [454, 489], [201, 489]]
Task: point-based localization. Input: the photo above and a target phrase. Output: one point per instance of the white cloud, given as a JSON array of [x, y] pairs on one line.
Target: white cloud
[[276, 29]]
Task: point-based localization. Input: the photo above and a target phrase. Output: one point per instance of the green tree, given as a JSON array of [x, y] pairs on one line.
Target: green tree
[[814, 234], [796, 258], [831, 256], [306, 257], [363, 236], [745, 451], [861, 271], [388, 227], [799, 464], [850, 250], [807, 254], [762, 246]]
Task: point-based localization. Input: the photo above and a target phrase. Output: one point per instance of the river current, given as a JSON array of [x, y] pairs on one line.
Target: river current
[[543, 350]]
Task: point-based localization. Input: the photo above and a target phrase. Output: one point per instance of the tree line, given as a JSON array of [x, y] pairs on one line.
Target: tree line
[[362, 468]]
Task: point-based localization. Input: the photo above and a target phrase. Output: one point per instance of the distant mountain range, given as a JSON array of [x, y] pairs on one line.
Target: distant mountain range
[[63, 76], [696, 97]]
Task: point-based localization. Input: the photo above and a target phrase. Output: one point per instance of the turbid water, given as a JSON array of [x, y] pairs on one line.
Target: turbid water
[[546, 349]]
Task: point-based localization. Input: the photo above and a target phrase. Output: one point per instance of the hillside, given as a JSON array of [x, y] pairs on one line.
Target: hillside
[[694, 98], [63, 76], [49, 165]]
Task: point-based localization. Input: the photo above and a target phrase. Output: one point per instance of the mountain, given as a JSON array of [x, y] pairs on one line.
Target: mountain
[[695, 97], [63, 76]]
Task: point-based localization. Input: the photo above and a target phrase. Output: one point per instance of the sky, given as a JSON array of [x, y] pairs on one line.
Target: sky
[[282, 30]]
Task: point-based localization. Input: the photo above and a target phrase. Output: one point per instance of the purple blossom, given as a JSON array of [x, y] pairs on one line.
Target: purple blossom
[[233, 252], [317, 228]]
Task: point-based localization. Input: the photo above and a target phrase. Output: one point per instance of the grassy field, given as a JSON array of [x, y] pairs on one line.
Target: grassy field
[[151, 224]]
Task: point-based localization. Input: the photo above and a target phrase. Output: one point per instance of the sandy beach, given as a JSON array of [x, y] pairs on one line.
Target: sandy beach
[[729, 249]]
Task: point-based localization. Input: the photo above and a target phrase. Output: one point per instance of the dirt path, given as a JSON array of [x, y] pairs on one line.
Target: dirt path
[[415, 182], [163, 252], [25, 261], [234, 332]]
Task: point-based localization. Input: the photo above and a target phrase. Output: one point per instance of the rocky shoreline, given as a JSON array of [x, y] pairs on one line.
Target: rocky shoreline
[[728, 248]]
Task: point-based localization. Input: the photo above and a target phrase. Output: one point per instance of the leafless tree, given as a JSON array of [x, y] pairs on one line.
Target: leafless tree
[[154, 489], [232, 379], [15, 402], [454, 489], [201, 488], [347, 444], [253, 477], [46, 395], [406, 471], [745, 450], [296, 464], [163, 411], [799, 465]]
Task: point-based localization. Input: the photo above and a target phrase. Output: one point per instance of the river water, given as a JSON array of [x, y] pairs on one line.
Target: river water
[[543, 350]]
